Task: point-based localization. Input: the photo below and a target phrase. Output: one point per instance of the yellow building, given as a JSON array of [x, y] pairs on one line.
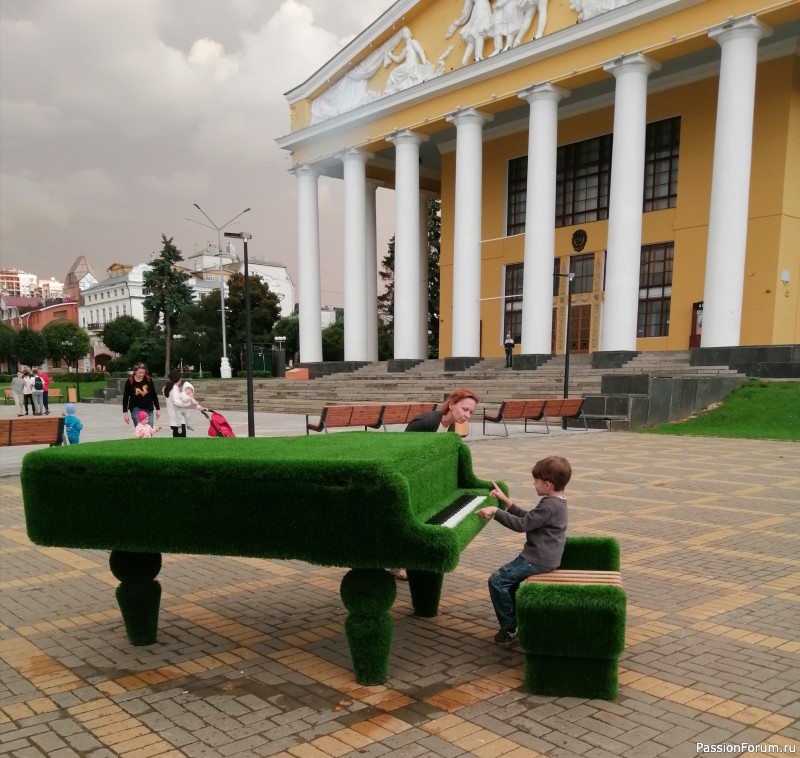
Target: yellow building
[[643, 154]]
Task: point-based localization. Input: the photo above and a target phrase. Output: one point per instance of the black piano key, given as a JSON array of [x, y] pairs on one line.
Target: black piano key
[[449, 510]]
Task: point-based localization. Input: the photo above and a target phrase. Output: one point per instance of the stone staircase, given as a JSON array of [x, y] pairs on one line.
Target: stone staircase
[[429, 381]]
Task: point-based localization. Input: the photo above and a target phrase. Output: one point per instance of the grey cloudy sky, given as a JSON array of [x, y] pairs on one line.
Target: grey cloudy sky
[[117, 115]]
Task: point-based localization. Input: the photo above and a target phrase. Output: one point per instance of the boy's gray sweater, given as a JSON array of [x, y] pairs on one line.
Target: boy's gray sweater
[[545, 528]]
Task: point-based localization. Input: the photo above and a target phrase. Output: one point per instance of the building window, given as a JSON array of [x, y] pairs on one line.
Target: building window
[[661, 164], [512, 308], [583, 177], [116, 311], [56, 362], [517, 195], [655, 290], [124, 309], [583, 268]]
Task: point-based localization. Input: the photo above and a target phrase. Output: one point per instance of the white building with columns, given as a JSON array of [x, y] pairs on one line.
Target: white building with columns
[[631, 162]]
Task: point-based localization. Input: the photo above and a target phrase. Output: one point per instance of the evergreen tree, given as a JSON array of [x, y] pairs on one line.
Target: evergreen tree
[[8, 341], [386, 299], [168, 293]]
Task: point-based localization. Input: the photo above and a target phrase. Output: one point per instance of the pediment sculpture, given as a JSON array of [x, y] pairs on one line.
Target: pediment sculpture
[[587, 9]]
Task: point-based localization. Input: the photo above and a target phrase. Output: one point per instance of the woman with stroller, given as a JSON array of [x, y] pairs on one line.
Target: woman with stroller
[[179, 400]]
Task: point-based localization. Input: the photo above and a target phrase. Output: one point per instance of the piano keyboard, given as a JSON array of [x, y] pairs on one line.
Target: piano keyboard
[[457, 511]]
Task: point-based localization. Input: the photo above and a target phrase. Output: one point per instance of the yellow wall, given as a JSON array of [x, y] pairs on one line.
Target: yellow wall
[[771, 317]]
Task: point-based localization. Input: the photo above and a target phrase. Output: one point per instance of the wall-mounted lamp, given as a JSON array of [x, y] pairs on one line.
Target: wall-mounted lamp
[[784, 276]]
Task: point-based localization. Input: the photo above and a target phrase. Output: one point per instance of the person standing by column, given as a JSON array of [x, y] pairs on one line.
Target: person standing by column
[[18, 389], [508, 345]]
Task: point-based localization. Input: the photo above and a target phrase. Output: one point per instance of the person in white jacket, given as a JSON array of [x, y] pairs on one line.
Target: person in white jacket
[[178, 402]]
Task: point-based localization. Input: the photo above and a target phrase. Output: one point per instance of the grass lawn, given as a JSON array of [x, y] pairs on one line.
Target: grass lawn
[[757, 410]]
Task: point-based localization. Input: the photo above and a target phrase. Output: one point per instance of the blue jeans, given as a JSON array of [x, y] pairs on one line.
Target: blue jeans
[[503, 585]]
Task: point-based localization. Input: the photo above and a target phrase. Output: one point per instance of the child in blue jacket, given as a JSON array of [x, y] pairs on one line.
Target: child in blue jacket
[[72, 425]]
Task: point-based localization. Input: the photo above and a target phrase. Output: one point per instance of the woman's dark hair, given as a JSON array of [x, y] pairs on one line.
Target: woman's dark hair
[[174, 377]]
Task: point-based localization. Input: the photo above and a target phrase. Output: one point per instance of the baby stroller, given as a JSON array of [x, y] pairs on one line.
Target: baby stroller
[[219, 427]]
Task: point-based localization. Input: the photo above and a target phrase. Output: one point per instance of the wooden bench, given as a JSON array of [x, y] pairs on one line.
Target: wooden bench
[[403, 413], [568, 407], [333, 416], [515, 410], [368, 415], [55, 394], [33, 431]]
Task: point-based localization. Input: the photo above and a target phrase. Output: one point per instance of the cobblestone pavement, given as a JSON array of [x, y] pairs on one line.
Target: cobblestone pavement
[[252, 659]]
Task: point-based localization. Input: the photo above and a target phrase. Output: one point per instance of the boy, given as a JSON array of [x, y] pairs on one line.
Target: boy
[[545, 530], [72, 425]]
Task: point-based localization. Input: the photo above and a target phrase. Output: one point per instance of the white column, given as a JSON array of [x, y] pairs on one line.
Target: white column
[[308, 285], [406, 244], [537, 297], [621, 306], [355, 255], [467, 238], [730, 181], [372, 268], [424, 198]]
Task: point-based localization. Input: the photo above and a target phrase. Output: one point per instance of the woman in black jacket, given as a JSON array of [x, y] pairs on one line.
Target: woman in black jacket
[[140, 395]]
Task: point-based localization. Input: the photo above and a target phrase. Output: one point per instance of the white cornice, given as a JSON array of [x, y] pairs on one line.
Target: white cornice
[[610, 23], [570, 109]]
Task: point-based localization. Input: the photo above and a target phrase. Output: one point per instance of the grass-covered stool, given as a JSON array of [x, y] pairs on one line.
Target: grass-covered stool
[[571, 622], [357, 501]]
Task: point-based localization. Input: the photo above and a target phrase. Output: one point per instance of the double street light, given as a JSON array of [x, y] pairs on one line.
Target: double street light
[[251, 423], [225, 366]]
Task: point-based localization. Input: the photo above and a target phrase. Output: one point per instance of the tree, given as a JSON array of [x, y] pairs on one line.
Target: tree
[[120, 333], [288, 327], [67, 340], [168, 293], [265, 310], [386, 299], [31, 347], [8, 341], [333, 342]]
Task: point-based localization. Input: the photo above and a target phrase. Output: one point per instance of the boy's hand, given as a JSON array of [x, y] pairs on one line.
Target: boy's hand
[[486, 513], [498, 494]]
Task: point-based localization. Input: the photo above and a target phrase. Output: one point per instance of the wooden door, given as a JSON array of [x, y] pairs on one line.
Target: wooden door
[[580, 321]]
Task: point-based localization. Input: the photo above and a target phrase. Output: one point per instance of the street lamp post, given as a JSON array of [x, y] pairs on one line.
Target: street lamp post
[[248, 340], [569, 277], [225, 366]]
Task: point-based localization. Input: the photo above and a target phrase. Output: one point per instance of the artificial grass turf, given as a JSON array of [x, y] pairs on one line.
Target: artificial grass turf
[[356, 500], [756, 410]]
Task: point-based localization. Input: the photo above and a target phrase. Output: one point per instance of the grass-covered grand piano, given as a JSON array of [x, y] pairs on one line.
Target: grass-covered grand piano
[[357, 500]]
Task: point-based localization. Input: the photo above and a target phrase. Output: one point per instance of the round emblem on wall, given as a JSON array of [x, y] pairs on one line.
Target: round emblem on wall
[[579, 238]]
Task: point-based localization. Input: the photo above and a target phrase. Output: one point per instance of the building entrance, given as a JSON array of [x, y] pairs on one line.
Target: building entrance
[[580, 322]]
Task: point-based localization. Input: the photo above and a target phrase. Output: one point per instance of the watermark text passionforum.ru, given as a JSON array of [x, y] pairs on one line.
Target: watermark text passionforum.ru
[[741, 748]]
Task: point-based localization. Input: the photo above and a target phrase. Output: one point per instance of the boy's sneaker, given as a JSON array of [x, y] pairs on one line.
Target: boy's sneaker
[[505, 638]]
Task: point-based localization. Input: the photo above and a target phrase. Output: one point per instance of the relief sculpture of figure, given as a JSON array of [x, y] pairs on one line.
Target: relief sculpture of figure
[[476, 18], [351, 90], [528, 8], [506, 22], [413, 67], [587, 9]]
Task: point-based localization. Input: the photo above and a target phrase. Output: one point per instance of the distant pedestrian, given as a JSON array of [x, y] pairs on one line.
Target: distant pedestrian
[[37, 394], [72, 425], [18, 390], [143, 429], [508, 345], [46, 395], [140, 395], [27, 390]]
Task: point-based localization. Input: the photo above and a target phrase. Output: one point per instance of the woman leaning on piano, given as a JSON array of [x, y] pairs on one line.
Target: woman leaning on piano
[[457, 409]]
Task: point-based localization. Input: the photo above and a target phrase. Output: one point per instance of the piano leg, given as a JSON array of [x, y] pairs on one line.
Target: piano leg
[[139, 594], [368, 595], [426, 591]]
